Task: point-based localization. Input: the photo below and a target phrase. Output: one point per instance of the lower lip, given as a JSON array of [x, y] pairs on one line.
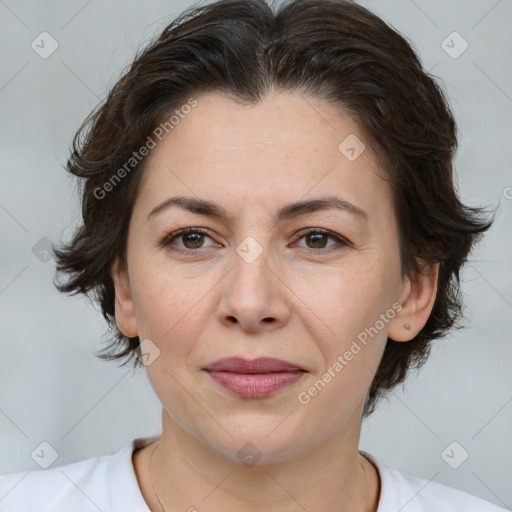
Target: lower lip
[[255, 385]]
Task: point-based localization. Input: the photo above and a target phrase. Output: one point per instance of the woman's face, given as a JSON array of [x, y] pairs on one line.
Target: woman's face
[[257, 284]]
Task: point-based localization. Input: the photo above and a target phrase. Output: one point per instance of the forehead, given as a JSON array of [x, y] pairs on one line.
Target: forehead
[[283, 148], [286, 123]]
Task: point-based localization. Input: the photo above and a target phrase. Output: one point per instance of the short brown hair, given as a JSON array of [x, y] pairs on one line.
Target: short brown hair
[[333, 50]]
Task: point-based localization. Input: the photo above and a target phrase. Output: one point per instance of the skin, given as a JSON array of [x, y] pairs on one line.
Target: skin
[[208, 303]]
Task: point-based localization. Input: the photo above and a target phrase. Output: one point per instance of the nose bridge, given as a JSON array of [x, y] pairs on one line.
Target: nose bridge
[[251, 295], [252, 273], [254, 249]]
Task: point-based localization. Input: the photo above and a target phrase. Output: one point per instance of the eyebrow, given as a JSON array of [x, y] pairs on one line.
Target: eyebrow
[[288, 212]]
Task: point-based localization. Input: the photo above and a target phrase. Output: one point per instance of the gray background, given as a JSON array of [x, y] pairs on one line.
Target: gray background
[[53, 389]]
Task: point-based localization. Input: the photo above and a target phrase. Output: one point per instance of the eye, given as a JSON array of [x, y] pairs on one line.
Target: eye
[[193, 240], [191, 237], [319, 237]]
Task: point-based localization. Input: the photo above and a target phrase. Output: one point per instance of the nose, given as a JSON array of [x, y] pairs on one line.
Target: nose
[[254, 295]]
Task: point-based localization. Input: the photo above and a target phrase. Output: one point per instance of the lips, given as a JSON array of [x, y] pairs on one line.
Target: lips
[[260, 365], [257, 378]]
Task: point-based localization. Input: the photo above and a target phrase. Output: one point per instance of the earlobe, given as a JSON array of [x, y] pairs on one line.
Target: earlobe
[[417, 300], [124, 305]]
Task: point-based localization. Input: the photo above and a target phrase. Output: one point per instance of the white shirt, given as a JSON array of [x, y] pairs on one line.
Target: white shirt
[[108, 484]]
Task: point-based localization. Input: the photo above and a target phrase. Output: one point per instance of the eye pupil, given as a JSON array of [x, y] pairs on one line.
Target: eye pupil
[[315, 238], [196, 243]]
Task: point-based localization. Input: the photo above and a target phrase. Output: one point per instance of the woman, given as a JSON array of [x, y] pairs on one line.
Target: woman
[[270, 225]]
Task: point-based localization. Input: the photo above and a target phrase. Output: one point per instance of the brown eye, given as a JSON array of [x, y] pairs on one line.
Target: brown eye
[[316, 239], [191, 238], [195, 240]]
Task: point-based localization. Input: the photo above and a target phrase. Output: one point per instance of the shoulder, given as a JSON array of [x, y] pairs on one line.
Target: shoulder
[[107, 483], [424, 495], [79, 486], [408, 493]]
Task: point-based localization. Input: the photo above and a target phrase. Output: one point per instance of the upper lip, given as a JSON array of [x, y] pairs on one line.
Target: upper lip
[[259, 365]]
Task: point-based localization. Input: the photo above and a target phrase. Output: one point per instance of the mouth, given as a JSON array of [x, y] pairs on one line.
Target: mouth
[[257, 378]]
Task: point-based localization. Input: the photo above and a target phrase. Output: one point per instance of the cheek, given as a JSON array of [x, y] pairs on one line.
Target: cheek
[[351, 342], [353, 336], [345, 300], [169, 306], [171, 311]]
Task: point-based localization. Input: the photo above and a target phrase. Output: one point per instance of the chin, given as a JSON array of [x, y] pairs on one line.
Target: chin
[[253, 439], [260, 452]]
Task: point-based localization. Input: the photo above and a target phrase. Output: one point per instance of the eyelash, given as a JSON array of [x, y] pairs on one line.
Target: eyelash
[[168, 239]]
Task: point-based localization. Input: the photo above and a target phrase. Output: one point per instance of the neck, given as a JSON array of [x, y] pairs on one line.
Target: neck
[[189, 475]]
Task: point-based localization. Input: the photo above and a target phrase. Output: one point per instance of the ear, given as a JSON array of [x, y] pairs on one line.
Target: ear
[[417, 299], [124, 306]]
